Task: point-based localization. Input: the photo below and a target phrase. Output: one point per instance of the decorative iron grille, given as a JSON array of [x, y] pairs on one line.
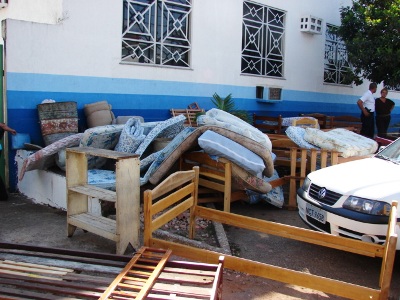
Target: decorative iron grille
[[262, 40], [156, 32], [337, 67], [393, 87]]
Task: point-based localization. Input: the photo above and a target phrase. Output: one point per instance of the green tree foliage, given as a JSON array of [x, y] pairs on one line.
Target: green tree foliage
[[227, 104], [371, 32]]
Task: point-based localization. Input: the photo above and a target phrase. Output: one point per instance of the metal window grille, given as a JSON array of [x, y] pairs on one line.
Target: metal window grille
[[156, 32], [336, 67], [393, 87], [262, 40]]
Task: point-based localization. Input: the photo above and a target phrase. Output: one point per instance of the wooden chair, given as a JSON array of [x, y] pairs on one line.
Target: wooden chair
[[281, 148], [177, 193], [349, 122], [215, 179], [323, 120], [305, 122], [268, 124], [190, 114]]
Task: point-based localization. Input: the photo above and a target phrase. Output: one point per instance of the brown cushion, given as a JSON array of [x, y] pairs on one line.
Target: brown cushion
[[92, 107], [99, 118]]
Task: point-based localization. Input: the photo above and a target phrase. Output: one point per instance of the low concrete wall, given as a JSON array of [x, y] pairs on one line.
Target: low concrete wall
[[46, 187]]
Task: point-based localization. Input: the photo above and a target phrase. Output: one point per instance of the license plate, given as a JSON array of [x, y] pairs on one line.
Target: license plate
[[316, 213]]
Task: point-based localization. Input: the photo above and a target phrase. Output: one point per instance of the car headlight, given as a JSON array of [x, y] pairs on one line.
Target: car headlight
[[306, 184], [367, 206]]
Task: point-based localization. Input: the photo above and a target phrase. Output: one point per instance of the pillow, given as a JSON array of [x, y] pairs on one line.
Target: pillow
[[98, 114], [44, 158], [216, 144], [103, 137], [296, 134]]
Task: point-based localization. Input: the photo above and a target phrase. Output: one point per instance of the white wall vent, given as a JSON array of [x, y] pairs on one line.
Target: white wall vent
[[311, 24]]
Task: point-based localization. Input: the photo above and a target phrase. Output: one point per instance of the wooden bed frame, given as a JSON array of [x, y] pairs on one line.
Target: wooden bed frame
[[176, 199], [216, 176], [33, 272]]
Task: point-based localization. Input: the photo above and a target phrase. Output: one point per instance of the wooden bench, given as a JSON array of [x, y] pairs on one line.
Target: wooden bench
[[323, 120], [349, 122], [268, 124]]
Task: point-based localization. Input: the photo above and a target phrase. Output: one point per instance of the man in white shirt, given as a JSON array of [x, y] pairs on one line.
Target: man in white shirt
[[367, 105]]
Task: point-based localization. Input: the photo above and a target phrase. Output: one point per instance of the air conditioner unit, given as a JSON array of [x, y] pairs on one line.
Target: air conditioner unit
[[311, 24], [3, 3]]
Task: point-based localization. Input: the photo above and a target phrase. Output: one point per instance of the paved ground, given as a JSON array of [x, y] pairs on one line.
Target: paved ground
[[27, 223]]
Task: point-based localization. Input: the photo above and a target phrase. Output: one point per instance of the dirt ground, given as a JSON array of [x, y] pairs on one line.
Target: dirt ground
[[27, 223], [299, 256]]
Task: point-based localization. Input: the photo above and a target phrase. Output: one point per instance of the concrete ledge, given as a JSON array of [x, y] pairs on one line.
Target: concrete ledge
[[47, 187]]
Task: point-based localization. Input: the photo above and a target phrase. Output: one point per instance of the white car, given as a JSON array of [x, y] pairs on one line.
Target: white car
[[353, 199]]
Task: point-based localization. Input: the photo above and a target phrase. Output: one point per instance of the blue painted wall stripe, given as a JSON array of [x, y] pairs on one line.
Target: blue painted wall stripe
[[92, 86]]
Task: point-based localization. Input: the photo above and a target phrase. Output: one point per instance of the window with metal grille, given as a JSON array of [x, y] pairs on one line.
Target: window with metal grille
[[156, 32], [336, 68], [393, 87], [262, 40]]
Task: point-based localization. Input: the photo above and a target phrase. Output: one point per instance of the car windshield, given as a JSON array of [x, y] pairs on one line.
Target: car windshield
[[391, 152]]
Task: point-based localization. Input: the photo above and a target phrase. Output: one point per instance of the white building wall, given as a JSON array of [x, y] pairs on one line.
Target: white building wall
[[73, 53], [41, 11], [87, 42]]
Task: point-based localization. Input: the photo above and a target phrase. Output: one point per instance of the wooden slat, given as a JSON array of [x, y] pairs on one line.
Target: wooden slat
[[143, 288], [67, 261], [128, 204], [169, 215], [32, 268], [95, 192], [323, 284], [102, 226], [295, 233], [66, 254], [390, 252], [26, 294], [37, 266], [195, 292], [87, 292], [172, 198], [171, 182], [23, 273], [219, 187], [59, 281]]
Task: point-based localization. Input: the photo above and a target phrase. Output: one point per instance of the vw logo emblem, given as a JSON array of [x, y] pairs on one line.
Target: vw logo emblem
[[322, 193]]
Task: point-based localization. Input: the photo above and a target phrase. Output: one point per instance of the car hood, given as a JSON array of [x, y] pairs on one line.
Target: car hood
[[370, 178]]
